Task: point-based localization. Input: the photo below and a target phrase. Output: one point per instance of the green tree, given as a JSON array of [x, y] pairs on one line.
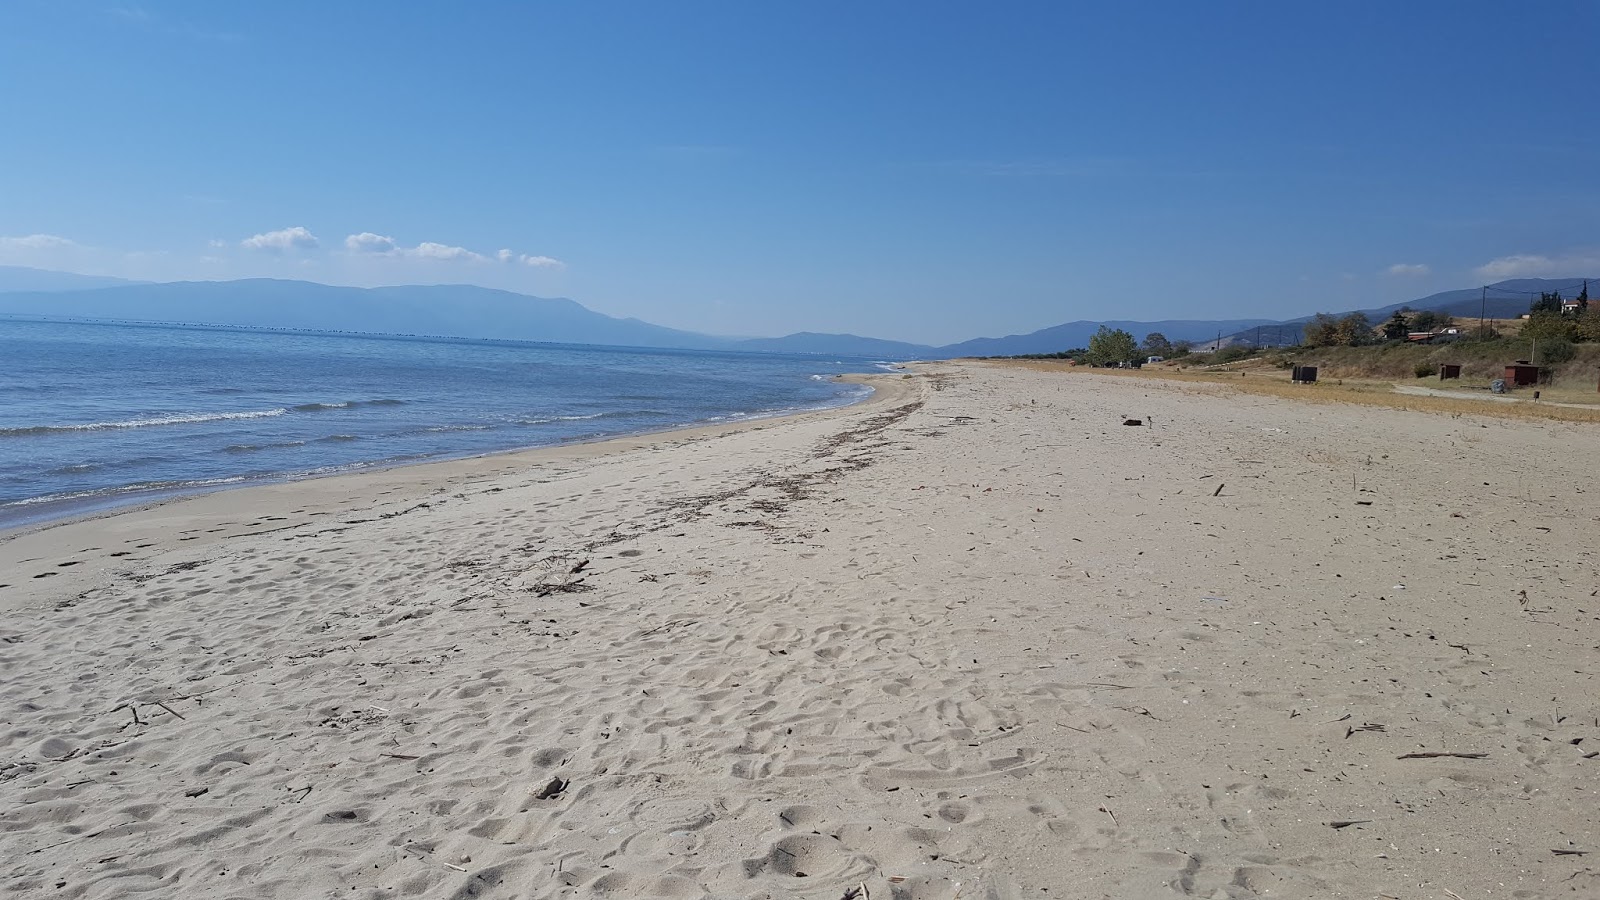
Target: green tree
[[1587, 326], [1397, 327], [1547, 302], [1182, 348], [1583, 298], [1549, 326], [1109, 347], [1156, 344]]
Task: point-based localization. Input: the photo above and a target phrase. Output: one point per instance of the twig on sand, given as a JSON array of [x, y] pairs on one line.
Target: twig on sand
[[1435, 754], [1107, 811], [399, 756], [163, 705], [1347, 823]]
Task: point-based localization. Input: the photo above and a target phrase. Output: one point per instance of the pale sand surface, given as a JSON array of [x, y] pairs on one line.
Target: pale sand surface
[[976, 634]]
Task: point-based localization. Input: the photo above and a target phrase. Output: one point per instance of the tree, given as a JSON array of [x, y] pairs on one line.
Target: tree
[[1397, 327], [1182, 348], [1547, 302], [1321, 331], [1547, 326], [1110, 347], [1583, 298], [1156, 344], [1354, 330], [1587, 325]]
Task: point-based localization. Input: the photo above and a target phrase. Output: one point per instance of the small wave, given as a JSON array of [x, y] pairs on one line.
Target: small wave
[[139, 423], [73, 470], [127, 489], [436, 429], [348, 404], [337, 438], [546, 420], [252, 448]]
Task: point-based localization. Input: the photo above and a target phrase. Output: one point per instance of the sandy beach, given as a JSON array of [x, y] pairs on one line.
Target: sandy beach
[[974, 638]]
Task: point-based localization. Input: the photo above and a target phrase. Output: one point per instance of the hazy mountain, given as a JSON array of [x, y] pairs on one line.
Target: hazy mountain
[[478, 312], [842, 344], [21, 278], [1076, 334], [443, 310]]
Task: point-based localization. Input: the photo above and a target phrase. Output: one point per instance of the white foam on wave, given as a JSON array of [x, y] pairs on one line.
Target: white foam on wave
[[180, 419]]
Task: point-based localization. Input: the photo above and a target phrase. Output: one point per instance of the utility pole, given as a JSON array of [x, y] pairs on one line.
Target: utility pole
[[1483, 307], [1218, 345]]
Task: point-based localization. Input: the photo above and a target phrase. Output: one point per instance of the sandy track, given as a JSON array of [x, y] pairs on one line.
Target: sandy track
[[978, 640]]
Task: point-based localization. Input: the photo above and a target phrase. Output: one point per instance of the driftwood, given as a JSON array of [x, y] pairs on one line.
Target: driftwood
[[1435, 754]]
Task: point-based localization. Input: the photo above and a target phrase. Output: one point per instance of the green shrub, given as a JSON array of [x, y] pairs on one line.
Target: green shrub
[[1426, 370]]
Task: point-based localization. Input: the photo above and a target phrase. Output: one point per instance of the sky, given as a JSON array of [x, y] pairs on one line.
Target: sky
[[920, 171]]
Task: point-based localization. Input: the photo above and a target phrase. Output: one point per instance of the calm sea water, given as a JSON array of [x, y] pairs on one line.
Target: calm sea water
[[95, 414]]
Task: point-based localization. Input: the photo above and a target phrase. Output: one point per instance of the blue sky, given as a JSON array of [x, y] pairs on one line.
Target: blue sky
[[920, 171]]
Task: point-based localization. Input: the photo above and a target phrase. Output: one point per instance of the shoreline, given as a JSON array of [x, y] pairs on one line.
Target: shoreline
[[80, 509]]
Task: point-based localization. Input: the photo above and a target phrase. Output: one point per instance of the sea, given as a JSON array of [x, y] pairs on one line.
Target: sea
[[94, 415]]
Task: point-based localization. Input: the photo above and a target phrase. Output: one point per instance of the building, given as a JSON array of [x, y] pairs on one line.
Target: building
[[1522, 374]]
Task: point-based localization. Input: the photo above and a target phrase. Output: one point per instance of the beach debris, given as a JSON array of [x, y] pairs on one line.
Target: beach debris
[[1107, 811], [1570, 852], [552, 790], [1218, 491], [197, 792], [1346, 823], [1133, 421], [1436, 754], [1365, 726]]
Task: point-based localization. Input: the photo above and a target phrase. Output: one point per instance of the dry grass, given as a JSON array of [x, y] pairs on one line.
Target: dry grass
[[1274, 383]]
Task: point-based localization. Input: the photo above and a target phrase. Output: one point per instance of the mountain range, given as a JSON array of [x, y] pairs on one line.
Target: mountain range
[[477, 312]]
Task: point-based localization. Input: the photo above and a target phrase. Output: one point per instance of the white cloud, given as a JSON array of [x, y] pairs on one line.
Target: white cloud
[[367, 242], [1409, 269], [431, 250], [381, 245], [37, 242], [1532, 265], [296, 238]]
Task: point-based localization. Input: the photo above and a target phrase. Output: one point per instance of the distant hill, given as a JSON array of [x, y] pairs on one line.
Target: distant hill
[[442, 310], [22, 278], [1076, 334], [469, 311]]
